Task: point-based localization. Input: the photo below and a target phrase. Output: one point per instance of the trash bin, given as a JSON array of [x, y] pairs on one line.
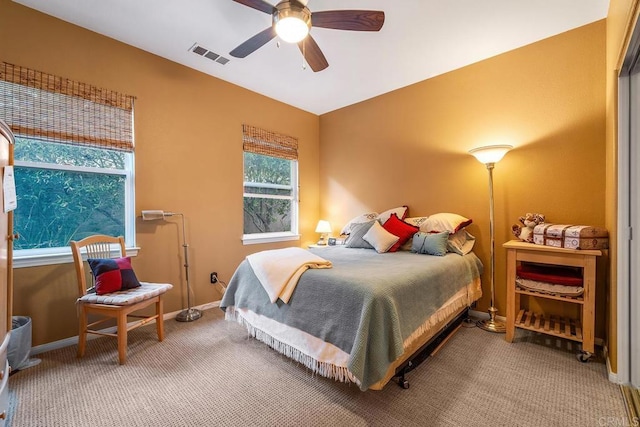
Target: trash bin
[[20, 344]]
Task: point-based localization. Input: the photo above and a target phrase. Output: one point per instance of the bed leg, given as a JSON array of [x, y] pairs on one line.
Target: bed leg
[[402, 381]]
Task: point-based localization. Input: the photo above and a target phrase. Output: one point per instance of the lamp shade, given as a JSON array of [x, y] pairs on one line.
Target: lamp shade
[[490, 153], [152, 215], [323, 227]]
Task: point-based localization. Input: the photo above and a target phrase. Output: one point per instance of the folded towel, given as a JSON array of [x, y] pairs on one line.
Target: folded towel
[[279, 270]]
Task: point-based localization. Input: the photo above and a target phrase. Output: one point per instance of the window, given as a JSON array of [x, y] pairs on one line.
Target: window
[[270, 186], [73, 162]]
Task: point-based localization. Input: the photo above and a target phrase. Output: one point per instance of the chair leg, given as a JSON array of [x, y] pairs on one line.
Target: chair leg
[[82, 331], [122, 337], [160, 319]]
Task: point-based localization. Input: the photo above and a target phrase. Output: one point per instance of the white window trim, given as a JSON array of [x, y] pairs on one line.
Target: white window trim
[[23, 258], [259, 238]]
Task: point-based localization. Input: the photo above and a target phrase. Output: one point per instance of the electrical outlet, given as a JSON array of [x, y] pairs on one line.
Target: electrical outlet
[[214, 277]]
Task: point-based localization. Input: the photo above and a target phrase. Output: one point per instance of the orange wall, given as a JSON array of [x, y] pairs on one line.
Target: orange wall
[[410, 146], [188, 159]]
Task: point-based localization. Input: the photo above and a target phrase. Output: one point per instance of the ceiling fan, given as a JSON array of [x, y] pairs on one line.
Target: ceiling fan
[[292, 21]]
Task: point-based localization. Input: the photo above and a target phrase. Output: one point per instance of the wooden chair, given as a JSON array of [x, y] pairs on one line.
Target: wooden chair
[[116, 305]]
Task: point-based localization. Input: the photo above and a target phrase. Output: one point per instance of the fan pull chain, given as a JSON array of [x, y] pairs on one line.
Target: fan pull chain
[[304, 62]]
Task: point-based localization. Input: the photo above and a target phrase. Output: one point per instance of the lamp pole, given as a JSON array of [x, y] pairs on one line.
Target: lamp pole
[[492, 324], [190, 314], [490, 155]]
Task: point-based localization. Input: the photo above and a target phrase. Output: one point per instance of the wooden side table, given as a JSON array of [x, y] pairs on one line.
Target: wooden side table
[[581, 329]]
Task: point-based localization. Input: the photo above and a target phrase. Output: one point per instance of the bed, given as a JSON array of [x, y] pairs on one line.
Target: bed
[[361, 319]]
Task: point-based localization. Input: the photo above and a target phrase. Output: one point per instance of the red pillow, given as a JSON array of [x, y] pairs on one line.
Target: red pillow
[[398, 227], [113, 274]]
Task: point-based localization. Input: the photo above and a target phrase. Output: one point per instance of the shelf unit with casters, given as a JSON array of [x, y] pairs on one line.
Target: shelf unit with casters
[[580, 328]]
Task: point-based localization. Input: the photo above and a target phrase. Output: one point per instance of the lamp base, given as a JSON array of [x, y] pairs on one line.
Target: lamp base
[[491, 324], [189, 315]]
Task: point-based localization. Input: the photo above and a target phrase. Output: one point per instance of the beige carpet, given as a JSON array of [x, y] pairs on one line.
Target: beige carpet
[[208, 373]]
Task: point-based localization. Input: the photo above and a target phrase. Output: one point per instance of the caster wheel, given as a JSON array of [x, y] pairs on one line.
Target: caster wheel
[[584, 356], [404, 384]]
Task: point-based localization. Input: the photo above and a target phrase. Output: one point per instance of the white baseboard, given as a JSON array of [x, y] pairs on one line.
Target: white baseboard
[[613, 377], [74, 340]]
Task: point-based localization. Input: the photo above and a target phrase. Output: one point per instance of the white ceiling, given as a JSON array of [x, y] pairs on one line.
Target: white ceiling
[[420, 39]]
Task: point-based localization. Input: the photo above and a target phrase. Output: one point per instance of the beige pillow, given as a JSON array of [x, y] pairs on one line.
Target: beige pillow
[[379, 238], [460, 242]]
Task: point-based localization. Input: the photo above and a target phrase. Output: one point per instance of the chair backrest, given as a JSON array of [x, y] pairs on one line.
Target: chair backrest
[[97, 246]]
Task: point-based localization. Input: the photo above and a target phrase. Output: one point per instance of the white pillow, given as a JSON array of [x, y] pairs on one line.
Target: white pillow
[[418, 221], [401, 212], [358, 220], [460, 242], [437, 223], [379, 238], [366, 217]]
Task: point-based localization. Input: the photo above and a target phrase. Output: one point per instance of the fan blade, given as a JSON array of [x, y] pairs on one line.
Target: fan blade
[[254, 43], [260, 5], [312, 54], [354, 20]]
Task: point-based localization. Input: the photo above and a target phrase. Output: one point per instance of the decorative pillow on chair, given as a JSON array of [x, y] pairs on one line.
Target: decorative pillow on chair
[[431, 244], [398, 227], [113, 274], [379, 238], [437, 223]]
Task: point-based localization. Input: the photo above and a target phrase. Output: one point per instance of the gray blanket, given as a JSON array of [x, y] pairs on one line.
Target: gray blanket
[[367, 304]]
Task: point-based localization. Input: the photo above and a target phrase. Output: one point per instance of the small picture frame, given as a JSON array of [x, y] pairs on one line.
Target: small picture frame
[[332, 241]]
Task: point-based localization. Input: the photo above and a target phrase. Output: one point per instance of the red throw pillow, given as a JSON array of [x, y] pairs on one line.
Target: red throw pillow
[[398, 227], [113, 274]]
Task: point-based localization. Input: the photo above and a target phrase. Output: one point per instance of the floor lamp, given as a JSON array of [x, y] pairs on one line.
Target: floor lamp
[[190, 314], [490, 155]]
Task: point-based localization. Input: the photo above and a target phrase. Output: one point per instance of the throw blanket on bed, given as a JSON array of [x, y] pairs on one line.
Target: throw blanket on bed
[[367, 305], [279, 270]]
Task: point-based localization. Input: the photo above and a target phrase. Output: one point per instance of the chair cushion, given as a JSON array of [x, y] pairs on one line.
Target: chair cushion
[[113, 274], [128, 296]]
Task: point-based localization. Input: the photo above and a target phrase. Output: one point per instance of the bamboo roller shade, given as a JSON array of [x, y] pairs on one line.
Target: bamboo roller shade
[[55, 109], [260, 141]]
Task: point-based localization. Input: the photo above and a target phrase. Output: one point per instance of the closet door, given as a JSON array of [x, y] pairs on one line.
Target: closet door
[[633, 165], [628, 218]]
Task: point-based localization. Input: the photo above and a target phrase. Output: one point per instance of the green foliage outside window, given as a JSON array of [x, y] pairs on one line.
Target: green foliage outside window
[[268, 194], [56, 206]]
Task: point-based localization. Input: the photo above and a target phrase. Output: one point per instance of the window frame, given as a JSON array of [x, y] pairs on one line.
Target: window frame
[[273, 237], [50, 256]]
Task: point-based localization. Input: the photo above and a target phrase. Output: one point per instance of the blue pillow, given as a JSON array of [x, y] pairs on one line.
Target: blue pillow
[[355, 239], [430, 243]]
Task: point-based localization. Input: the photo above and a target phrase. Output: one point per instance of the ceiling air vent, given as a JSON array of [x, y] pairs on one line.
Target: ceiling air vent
[[202, 51]]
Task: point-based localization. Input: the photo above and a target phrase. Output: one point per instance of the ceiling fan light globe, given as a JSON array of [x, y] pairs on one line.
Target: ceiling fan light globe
[[292, 21], [291, 29]]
